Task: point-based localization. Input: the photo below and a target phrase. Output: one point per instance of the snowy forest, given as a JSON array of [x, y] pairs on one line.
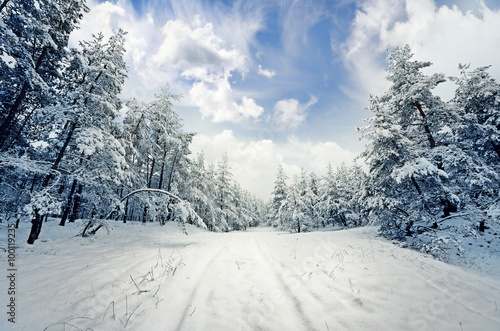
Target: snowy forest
[[72, 148], [429, 163], [68, 152], [104, 189]]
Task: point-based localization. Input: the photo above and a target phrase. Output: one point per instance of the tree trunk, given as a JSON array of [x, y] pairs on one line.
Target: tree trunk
[[160, 184], [4, 128], [14, 110], [171, 176], [125, 214], [33, 183], [413, 180], [145, 214], [76, 204], [151, 173], [432, 142], [68, 204], [36, 227], [4, 3], [14, 139]]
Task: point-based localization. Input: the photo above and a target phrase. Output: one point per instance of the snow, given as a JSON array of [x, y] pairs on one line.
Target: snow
[[421, 167], [148, 277], [8, 60]]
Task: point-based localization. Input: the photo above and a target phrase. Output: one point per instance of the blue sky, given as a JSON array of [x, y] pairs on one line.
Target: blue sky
[[286, 81]]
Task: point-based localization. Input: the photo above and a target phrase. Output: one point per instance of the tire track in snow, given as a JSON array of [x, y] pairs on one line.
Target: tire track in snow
[[285, 288], [199, 280]]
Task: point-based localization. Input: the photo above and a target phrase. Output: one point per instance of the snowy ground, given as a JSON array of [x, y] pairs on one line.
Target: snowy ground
[[156, 278]]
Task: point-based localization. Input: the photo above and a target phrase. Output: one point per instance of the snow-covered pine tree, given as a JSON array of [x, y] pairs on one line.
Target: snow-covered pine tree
[[328, 198], [474, 131], [224, 193], [296, 212], [351, 183], [313, 196], [201, 193], [279, 196], [241, 215], [477, 98], [33, 42], [95, 77], [409, 183]]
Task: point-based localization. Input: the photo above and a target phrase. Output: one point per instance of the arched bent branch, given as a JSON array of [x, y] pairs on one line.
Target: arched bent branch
[[152, 190], [148, 190]]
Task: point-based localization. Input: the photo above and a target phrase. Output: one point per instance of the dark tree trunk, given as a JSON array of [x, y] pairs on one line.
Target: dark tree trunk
[[144, 214], [14, 139], [160, 184], [125, 214], [68, 203], [4, 3], [76, 204], [36, 227], [151, 173], [413, 180], [432, 142], [86, 228], [33, 183], [14, 109], [171, 176]]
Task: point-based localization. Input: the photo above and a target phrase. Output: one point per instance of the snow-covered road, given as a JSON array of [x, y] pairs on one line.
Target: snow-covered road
[[155, 278]]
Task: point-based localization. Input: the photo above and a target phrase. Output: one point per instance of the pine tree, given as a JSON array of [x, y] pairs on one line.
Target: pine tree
[[224, 192], [409, 182], [328, 198], [97, 74], [279, 196], [35, 34]]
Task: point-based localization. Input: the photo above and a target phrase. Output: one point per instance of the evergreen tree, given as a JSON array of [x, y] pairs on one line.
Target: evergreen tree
[[279, 196], [224, 192], [35, 35], [97, 74], [405, 172], [328, 198]]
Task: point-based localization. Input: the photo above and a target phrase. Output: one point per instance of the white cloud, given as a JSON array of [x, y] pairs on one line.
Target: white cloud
[[201, 55], [447, 36], [217, 101], [248, 108], [290, 114], [197, 51], [266, 72], [442, 35], [253, 163], [315, 156], [145, 78], [185, 51]]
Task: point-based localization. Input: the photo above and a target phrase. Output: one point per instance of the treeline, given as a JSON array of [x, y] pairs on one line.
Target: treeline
[[310, 202], [67, 151], [428, 160]]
